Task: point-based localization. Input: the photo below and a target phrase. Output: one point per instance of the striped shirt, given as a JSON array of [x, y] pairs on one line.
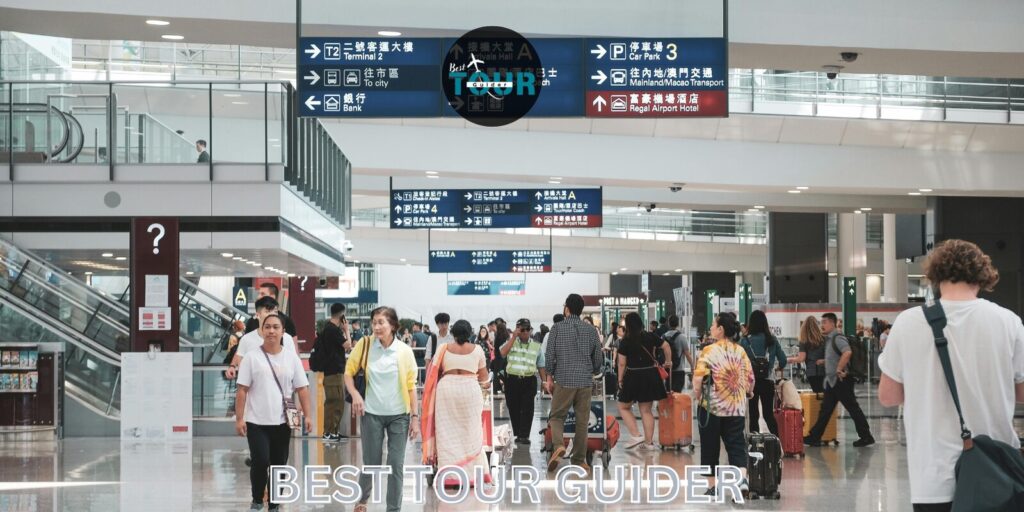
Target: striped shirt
[[573, 353]]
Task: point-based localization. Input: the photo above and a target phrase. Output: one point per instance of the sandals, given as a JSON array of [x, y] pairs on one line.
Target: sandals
[[360, 507]]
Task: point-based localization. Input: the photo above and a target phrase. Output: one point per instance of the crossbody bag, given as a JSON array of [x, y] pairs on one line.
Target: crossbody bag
[[291, 413]]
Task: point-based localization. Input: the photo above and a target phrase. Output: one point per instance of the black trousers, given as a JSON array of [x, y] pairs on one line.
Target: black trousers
[[716, 430], [817, 383], [842, 393], [519, 396], [764, 393], [933, 507], [268, 446]]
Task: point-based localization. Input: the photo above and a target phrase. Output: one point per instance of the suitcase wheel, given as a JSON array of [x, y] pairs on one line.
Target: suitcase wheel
[[693, 448], [835, 443], [776, 496], [605, 459], [430, 480], [753, 495]]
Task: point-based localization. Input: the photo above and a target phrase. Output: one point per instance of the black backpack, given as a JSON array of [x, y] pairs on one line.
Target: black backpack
[[317, 356], [858, 367]]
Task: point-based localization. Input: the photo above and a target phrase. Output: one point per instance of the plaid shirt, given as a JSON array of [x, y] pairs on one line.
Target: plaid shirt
[[573, 353]]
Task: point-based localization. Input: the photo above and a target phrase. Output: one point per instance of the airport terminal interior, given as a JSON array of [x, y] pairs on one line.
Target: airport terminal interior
[[661, 208]]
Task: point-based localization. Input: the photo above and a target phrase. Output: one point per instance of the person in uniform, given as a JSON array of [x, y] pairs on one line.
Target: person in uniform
[[525, 359]]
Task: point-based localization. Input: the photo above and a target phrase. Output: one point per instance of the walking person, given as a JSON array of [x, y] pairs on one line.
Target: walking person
[[389, 407], [525, 360], [812, 354], [838, 388], [766, 355], [453, 405], [265, 381], [640, 381], [572, 358], [986, 356], [680, 345], [723, 382], [335, 341], [251, 341], [271, 290]]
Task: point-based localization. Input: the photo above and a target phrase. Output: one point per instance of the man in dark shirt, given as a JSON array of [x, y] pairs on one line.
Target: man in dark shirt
[[270, 290], [335, 342], [204, 156], [662, 328]]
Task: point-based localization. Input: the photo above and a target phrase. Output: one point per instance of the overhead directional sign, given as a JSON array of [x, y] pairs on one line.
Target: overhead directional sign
[[670, 77], [486, 287], [519, 261], [591, 77], [496, 208]]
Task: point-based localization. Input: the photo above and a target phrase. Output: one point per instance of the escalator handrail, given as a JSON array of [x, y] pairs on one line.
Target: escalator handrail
[[51, 152], [185, 283], [76, 149]]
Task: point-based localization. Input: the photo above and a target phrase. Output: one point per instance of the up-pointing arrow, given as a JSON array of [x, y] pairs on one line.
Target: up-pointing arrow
[[539, 221], [538, 195], [599, 51], [456, 51], [313, 51], [600, 102], [398, 209], [600, 77], [313, 77], [311, 102]]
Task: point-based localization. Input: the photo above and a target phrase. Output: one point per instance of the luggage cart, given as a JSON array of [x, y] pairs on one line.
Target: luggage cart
[[598, 441]]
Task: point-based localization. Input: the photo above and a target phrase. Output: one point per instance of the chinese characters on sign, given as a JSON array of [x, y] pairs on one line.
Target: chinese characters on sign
[[491, 261], [487, 288], [496, 208]]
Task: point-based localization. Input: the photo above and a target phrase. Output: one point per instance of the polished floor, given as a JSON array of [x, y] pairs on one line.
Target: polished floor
[[210, 474]]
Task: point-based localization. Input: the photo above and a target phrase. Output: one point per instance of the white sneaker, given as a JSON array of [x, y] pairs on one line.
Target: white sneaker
[[634, 442], [652, 447]]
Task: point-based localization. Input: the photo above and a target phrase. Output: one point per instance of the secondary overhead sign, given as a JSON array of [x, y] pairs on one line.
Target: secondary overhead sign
[[486, 287], [591, 77], [496, 208], [519, 261]]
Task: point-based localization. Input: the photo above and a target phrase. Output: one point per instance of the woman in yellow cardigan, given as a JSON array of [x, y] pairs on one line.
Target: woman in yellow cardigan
[[389, 409]]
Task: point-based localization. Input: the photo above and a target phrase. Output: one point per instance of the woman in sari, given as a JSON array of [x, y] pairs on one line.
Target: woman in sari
[[453, 405]]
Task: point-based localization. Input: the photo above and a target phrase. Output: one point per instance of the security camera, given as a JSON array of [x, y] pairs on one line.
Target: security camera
[[675, 188], [831, 76], [849, 56], [832, 71], [650, 207], [347, 246]]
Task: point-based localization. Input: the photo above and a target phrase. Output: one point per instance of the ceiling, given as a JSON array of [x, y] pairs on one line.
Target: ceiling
[[201, 262]]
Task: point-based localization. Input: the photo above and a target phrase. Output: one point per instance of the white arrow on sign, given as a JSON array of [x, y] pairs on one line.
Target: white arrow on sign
[[398, 222], [468, 196], [599, 51], [600, 77], [469, 221], [457, 103], [540, 221], [539, 195], [313, 51], [467, 209], [456, 51], [312, 77], [538, 208], [311, 102], [398, 209], [600, 102]]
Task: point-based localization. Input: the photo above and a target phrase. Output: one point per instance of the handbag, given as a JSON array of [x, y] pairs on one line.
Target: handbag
[[662, 372], [291, 413], [989, 473], [360, 379]]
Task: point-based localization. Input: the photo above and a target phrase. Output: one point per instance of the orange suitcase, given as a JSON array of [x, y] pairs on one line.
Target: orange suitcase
[[675, 421]]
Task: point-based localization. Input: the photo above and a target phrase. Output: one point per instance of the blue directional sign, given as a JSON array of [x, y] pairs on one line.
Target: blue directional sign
[[591, 77], [487, 261], [496, 208], [486, 287]]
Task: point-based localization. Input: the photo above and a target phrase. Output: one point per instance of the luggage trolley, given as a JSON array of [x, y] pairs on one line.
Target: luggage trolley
[[602, 432]]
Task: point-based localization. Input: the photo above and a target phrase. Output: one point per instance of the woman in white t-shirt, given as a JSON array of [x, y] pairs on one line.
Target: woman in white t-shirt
[[259, 404]]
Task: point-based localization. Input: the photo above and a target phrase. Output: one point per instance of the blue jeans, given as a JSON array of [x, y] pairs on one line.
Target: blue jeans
[[374, 428]]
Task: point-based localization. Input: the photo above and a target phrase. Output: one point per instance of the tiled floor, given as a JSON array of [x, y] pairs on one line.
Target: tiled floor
[[210, 474]]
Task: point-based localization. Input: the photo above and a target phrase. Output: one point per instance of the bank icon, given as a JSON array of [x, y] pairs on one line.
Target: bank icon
[[619, 103], [332, 103]]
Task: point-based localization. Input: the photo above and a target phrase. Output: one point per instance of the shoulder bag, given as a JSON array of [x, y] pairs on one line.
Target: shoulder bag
[[662, 372], [291, 413], [360, 379], [989, 473]]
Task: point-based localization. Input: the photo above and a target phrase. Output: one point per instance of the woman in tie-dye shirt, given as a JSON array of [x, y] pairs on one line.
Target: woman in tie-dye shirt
[[723, 382]]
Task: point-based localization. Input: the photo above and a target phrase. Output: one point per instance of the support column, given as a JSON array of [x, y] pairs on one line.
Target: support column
[[853, 251]]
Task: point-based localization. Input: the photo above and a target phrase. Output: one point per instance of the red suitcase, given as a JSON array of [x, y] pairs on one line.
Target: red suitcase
[[791, 431]]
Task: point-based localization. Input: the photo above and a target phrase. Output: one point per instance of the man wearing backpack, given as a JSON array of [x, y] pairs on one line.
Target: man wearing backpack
[[680, 348], [328, 357], [838, 387], [985, 344]]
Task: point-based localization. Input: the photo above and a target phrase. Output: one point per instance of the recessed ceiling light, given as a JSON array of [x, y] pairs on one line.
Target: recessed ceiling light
[[226, 254], [667, 274], [189, 273], [256, 264], [924, 190], [913, 193], [233, 95], [291, 275], [88, 273], [388, 33], [866, 209], [108, 255], [679, 270], [158, 23], [556, 178], [755, 210], [172, 37], [802, 188], [402, 260], [759, 207], [268, 268], [356, 261], [794, 191], [433, 176], [431, 172], [733, 271], [555, 182], [121, 258], [623, 269], [237, 258], [858, 212], [615, 273], [239, 102]]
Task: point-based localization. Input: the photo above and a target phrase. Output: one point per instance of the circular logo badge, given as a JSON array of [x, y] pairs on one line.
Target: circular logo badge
[[492, 76]]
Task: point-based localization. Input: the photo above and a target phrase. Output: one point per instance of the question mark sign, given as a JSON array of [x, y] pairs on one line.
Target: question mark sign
[[303, 282], [156, 239]]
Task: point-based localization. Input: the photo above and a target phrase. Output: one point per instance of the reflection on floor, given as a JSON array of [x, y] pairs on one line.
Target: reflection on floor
[[210, 474]]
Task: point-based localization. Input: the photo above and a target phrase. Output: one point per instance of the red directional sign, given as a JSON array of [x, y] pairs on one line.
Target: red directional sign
[[656, 104]]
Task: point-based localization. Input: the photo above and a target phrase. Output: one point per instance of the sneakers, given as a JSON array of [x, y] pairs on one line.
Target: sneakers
[[328, 436], [256, 506], [274, 506], [651, 447], [745, 487], [522, 440], [864, 441], [634, 443], [556, 457], [810, 441]]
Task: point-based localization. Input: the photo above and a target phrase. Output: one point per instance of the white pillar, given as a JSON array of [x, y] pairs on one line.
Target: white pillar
[[889, 274], [853, 251]]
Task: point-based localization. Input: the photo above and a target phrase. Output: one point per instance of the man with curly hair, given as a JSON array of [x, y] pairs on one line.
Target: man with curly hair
[[986, 349]]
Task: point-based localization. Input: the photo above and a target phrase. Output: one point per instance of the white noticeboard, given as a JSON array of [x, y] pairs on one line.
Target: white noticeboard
[[156, 290], [156, 396]]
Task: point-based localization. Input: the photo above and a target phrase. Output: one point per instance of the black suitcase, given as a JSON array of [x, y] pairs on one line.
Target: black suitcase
[[764, 471]]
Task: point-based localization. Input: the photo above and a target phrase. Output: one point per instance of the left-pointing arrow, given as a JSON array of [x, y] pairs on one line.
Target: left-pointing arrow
[[313, 51], [312, 102], [313, 77]]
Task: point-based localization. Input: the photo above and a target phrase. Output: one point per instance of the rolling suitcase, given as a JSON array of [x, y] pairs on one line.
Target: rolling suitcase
[[791, 431], [675, 421], [812, 406], [764, 466]]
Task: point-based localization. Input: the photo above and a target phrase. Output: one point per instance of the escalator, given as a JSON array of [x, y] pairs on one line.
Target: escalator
[[48, 135], [39, 302]]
